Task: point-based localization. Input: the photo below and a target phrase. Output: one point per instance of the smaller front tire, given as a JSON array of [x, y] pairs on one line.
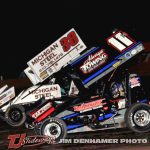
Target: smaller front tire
[[55, 128], [137, 117]]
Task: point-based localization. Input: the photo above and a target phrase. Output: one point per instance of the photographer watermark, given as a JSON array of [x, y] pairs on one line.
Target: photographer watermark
[[19, 140], [105, 141]]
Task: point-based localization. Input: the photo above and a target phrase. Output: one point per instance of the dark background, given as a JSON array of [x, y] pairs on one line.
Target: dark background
[[28, 28]]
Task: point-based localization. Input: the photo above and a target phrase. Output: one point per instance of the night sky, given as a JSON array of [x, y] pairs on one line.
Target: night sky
[[28, 28]]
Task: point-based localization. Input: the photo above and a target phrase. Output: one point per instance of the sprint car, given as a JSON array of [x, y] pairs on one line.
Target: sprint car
[[108, 95], [13, 108], [40, 68]]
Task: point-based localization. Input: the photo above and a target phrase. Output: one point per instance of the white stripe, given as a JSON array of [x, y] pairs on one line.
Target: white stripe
[[116, 43], [123, 39]]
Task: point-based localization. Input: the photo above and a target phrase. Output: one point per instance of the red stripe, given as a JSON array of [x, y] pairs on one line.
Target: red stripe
[[116, 100], [48, 112], [31, 113]]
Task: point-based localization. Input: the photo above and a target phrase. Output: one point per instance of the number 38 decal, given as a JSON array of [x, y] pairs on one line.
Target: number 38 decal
[[70, 40]]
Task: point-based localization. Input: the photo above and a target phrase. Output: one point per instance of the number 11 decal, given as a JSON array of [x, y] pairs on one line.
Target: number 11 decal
[[120, 41]]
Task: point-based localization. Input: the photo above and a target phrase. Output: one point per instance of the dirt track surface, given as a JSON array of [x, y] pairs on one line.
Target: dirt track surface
[[119, 134]]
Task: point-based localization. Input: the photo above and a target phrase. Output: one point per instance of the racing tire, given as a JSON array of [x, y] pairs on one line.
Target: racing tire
[[55, 128], [15, 115], [137, 117]]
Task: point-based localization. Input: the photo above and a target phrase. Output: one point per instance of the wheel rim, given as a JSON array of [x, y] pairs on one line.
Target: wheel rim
[[52, 130], [142, 118], [15, 115]]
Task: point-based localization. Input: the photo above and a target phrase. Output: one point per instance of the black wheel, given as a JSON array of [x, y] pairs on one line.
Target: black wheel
[[55, 128], [15, 115], [137, 117]]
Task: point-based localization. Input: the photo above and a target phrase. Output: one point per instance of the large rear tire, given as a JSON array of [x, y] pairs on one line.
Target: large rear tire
[[137, 117]]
